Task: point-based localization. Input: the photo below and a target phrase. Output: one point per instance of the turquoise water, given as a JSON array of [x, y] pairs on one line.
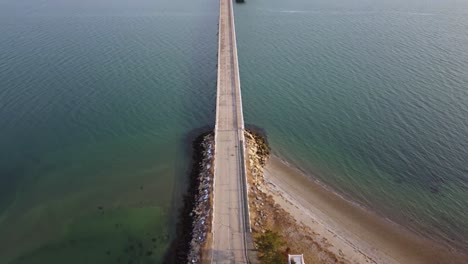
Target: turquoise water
[[97, 99], [369, 96], [96, 102]]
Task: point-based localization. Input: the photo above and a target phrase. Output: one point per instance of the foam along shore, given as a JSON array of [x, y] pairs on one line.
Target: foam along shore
[[351, 233]]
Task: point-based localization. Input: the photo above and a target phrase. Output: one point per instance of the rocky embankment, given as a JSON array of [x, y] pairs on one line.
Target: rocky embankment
[[257, 155], [201, 213], [194, 226]]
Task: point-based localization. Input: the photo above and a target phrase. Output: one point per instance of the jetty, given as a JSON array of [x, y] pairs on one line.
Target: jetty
[[231, 231]]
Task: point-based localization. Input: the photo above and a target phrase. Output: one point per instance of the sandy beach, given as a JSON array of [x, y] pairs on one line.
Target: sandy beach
[[353, 234]]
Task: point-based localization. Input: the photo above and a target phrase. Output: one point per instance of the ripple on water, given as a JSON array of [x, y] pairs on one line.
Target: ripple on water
[[370, 99]]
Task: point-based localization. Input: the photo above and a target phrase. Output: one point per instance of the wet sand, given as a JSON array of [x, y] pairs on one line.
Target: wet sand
[[351, 232]]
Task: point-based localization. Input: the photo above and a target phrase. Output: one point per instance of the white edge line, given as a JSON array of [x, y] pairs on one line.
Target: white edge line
[[242, 114], [215, 135]]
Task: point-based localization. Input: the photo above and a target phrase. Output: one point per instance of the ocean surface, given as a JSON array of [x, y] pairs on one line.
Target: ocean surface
[[370, 97], [98, 100]]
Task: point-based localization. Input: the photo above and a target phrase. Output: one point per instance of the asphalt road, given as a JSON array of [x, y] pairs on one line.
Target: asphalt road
[[230, 222]]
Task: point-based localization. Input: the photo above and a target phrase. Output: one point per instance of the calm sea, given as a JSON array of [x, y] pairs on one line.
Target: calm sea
[[369, 96], [97, 99]]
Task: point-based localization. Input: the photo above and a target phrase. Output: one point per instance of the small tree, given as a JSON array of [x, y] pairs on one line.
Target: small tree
[[269, 245]]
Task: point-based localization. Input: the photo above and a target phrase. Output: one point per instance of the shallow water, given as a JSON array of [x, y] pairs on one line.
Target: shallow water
[[369, 96], [96, 101]]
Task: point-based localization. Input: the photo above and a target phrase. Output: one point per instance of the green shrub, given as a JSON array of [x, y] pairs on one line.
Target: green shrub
[[269, 245]]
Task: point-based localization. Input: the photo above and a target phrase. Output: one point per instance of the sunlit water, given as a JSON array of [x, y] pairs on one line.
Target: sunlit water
[[369, 96]]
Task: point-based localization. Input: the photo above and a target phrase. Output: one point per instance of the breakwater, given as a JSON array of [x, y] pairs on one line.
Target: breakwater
[[195, 218], [201, 213], [194, 227]]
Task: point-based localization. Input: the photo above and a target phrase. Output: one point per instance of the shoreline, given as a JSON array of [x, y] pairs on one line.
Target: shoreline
[[353, 232], [312, 218], [193, 229]]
